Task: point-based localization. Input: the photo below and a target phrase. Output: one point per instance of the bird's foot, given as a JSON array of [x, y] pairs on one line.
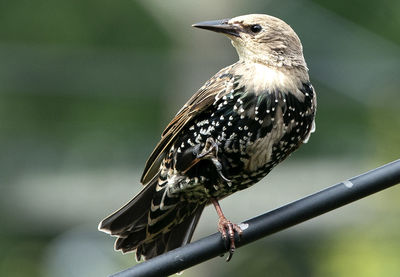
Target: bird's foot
[[227, 230]]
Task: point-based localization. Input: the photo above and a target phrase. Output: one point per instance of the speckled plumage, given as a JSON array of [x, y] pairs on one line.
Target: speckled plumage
[[244, 121]]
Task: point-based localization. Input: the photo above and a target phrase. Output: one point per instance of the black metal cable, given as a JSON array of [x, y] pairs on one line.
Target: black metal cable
[[271, 222]]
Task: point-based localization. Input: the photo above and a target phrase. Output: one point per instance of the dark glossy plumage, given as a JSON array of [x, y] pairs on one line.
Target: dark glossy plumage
[[245, 120]]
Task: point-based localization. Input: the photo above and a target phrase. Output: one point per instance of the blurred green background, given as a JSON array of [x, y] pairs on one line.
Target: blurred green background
[[86, 88]]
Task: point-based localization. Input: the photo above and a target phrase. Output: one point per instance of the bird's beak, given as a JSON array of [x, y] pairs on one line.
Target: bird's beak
[[220, 26]]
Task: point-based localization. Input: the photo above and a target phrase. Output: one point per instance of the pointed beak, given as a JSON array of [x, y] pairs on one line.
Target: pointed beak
[[220, 26]]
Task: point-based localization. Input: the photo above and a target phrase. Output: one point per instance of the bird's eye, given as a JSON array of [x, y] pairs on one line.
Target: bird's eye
[[255, 28]]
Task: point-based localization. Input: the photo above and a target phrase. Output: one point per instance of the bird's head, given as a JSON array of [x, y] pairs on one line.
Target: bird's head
[[260, 38]]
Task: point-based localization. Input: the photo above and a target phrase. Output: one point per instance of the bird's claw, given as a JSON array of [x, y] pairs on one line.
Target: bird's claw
[[227, 230]]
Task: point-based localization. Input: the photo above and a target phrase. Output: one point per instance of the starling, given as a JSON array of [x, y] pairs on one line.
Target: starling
[[240, 124]]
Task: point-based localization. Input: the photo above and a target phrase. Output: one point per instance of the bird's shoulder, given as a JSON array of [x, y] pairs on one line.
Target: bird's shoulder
[[213, 90]]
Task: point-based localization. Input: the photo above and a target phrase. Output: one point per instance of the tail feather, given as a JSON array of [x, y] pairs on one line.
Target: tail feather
[[130, 225], [183, 233], [176, 237], [133, 216]]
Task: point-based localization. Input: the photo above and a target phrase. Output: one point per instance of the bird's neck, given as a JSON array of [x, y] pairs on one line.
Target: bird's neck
[[271, 59], [276, 61], [279, 61], [260, 76]]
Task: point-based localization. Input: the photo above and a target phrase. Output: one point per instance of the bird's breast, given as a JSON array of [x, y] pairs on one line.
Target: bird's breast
[[254, 131], [261, 129]]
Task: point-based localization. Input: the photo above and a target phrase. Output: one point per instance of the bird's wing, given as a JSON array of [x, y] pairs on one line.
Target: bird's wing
[[212, 90]]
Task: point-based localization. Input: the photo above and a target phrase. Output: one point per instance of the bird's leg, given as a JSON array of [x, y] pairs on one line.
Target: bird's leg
[[210, 152], [226, 228]]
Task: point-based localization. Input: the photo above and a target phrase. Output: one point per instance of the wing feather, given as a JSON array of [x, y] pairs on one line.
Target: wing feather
[[213, 89]]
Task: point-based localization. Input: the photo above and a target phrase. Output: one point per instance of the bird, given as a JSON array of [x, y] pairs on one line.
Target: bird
[[232, 132]]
